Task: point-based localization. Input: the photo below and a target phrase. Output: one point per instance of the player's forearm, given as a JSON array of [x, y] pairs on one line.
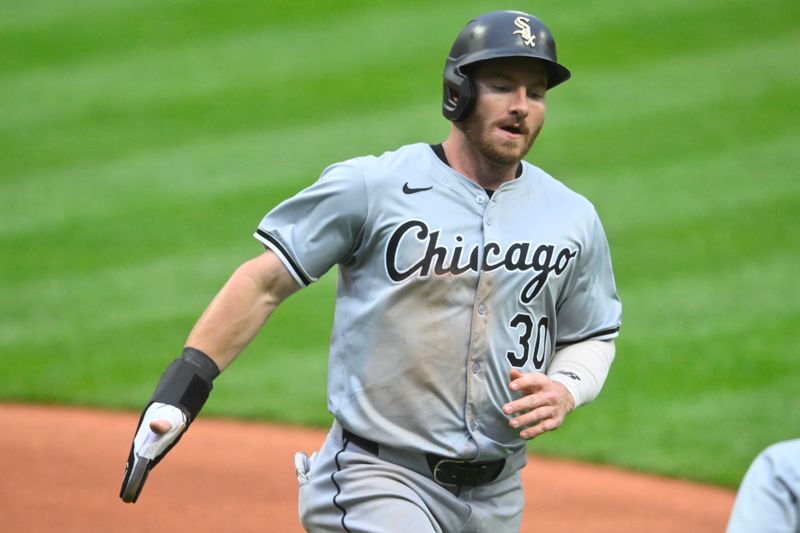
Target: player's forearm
[[229, 323], [241, 308], [582, 368], [231, 320]]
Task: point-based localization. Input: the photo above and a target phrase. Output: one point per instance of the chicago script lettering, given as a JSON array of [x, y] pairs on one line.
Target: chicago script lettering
[[438, 259]]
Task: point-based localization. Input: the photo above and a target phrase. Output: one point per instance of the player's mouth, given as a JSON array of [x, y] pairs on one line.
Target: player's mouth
[[513, 130]]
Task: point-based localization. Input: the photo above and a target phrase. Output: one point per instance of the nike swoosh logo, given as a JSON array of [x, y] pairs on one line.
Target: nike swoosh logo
[[412, 190], [572, 375]]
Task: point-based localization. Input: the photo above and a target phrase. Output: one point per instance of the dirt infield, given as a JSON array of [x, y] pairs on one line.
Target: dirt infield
[[60, 470]]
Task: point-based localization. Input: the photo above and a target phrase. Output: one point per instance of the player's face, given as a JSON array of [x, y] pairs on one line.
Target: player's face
[[509, 108]]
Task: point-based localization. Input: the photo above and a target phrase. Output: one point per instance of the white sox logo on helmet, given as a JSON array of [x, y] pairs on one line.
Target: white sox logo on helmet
[[524, 31]]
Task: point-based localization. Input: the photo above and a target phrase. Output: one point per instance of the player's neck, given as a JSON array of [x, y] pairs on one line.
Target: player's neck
[[468, 161]]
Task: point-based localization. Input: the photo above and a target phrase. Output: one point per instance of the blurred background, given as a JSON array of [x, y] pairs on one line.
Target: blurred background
[[141, 142]]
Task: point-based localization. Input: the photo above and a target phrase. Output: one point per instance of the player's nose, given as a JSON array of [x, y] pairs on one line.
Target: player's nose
[[519, 104]]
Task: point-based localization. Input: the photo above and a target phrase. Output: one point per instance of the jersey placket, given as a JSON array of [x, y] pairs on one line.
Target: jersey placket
[[479, 348]]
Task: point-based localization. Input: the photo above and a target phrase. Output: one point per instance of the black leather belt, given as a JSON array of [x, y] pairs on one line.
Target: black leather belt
[[444, 470]]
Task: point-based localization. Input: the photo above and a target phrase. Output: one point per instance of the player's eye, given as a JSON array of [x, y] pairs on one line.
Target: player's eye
[[498, 84]]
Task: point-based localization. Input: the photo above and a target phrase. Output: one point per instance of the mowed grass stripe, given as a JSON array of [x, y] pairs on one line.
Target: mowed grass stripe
[[43, 15], [36, 37], [603, 35], [259, 162], [671, 189], [166, 286], [113, 133], [736, 71], [717, 303], [208, 64], [654, 117]]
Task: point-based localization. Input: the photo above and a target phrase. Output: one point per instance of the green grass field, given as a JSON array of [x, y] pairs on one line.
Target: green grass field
[[141, 142]]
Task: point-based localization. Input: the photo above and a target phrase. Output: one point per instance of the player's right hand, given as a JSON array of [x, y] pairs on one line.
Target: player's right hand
[[543, 404], [159, 429]]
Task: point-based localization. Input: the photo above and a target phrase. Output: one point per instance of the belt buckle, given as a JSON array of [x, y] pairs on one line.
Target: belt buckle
[[437, 470], [468, 473]]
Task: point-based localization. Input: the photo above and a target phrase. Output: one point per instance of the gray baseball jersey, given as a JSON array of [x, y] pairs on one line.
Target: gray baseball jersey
[[768, 500], [442, 290]]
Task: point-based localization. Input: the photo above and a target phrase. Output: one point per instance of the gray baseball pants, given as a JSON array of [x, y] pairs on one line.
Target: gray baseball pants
[[349, 489]]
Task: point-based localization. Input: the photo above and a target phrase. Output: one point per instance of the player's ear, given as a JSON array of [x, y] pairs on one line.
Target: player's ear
[[452, 95]]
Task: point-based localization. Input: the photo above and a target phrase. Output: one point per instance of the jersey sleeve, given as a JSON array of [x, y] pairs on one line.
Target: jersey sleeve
[[319, 226], [590, 307]]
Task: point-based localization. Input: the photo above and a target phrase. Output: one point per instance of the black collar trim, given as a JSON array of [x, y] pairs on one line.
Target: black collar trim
[[438, 149]]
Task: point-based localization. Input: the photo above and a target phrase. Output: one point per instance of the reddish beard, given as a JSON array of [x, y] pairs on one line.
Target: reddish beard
[[477, 132]]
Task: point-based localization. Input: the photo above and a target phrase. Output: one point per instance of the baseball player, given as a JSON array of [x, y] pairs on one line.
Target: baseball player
[[476, 307], [768, 500]]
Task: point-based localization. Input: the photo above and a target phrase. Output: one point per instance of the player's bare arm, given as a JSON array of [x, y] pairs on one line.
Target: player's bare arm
[[226, 327], [241, 308], [237, 313]]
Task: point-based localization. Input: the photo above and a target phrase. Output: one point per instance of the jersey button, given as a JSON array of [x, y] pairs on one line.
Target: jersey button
[[480, 199], [476, 368], [481, 309], [489, 221]]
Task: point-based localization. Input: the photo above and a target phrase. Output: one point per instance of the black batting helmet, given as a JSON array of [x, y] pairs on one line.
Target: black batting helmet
[[492, 36]]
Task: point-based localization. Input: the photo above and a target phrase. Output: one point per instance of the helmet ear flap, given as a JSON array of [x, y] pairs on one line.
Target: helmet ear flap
[[450, 99], [459, 95]]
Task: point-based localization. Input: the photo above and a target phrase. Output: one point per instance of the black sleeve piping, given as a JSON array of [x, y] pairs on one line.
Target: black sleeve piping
[[278, 246], [596, 334]]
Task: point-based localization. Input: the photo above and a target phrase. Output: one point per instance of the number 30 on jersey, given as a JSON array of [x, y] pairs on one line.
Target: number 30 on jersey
[[532, 341]]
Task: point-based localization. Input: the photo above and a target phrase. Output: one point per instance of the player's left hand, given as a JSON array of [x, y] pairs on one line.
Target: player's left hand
[[543, 406], [160, 428]]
